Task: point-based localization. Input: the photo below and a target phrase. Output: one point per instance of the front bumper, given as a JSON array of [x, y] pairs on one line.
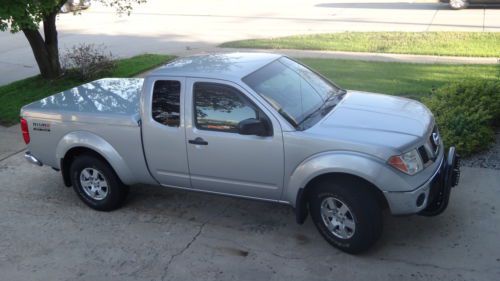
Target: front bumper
[[431, 198], [448, 177]]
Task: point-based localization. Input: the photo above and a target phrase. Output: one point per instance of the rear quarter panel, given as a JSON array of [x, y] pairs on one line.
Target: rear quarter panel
[[116, 140]]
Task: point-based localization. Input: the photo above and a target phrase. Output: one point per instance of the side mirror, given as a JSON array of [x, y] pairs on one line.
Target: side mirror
[[252, 126]]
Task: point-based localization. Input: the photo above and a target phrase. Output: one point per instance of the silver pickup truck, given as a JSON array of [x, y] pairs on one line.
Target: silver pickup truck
[[259, 126]]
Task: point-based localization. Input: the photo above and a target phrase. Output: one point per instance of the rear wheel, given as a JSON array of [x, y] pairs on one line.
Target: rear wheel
[[347, 214], [97, 184]]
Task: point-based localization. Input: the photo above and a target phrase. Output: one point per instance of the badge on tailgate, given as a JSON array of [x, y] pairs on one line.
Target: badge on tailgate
[[38, 126]]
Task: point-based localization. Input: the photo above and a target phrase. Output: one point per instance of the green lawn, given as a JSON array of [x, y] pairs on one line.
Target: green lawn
[[402, 79], [13, 96], [473, 44]]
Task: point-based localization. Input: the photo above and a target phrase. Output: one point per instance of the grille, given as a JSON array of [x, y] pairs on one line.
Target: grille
[[423, 154], [430, 150], [431, 141]]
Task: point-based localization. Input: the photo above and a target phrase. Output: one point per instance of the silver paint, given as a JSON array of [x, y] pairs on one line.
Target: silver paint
[[94, 184], [357, 137]]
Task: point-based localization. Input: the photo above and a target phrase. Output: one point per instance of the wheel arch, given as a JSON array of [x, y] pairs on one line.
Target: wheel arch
[[301, 204], [77, 143], [71, 155], [338, 165]]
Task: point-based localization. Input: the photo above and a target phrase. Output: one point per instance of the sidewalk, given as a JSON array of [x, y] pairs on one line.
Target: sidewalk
[[385, 57]]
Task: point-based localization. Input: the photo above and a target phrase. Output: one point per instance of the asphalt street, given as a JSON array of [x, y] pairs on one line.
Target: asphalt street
[[180, 27], [46, 233]]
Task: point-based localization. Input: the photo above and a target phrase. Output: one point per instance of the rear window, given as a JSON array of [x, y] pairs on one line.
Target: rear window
[[166, 102]]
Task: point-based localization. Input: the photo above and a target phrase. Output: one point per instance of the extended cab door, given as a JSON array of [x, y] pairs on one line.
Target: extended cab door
[[222, 160], [163, 133]]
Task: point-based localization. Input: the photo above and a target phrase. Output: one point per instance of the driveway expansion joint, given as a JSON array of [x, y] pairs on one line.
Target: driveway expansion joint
[[13, 154]]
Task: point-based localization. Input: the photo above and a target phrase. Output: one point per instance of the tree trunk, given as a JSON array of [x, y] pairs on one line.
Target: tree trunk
[[46, 51]]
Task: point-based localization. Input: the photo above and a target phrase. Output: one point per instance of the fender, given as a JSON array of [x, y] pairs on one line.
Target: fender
[[98, 144], [367, 167]]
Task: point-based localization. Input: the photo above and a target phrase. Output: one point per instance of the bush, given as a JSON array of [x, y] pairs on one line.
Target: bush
[[88, 61], [466, 113]]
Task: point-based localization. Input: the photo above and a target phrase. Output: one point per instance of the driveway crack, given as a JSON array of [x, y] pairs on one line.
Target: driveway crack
[[179, 253], [188, 245]]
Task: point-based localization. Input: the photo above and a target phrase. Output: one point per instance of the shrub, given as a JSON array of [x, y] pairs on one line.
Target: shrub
[[88, 61], [466, 113]]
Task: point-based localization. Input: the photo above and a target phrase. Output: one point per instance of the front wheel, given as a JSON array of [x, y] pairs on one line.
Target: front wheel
[[97, 184], [347, 214]]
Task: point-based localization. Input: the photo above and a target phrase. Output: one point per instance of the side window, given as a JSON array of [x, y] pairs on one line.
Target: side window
[[166, 102], [220, 107]]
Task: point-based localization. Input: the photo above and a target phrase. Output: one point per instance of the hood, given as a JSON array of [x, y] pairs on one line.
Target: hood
[[377, 119]]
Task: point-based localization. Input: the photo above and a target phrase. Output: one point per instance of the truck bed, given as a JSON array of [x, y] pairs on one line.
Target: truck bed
[[109, 100], [107, 109]]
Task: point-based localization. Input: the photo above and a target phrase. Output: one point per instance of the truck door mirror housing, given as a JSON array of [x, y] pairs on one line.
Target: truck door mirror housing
[[252, 126]]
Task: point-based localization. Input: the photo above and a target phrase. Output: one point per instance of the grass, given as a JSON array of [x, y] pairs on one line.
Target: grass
[[470, 44], [13, 96], [402, 79]]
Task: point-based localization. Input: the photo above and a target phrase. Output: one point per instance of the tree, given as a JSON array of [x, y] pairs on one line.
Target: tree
[[26, 16]]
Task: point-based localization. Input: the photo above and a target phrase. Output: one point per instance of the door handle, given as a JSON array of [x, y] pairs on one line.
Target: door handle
[[198, 141]]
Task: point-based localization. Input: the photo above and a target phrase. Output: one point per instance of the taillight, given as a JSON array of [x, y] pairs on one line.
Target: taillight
[[24, 129]]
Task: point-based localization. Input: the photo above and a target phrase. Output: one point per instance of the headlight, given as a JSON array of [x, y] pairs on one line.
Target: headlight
[[409, 162]]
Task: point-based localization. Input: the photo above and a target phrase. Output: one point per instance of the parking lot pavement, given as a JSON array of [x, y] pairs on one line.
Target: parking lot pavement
[[46, 233]]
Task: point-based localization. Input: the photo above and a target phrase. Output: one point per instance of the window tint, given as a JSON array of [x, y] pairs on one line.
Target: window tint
[[220, 107], [166, 103]]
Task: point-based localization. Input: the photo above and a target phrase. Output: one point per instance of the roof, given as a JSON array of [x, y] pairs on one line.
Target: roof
[[229, 66]]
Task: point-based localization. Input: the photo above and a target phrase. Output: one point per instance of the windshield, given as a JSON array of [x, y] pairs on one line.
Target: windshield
[[292, 89]]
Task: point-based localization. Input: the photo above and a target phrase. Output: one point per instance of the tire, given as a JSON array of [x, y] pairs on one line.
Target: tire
[[362, 221], [458, 4], [97, 184]]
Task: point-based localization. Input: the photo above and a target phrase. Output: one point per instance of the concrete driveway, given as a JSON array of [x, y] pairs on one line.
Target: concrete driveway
[[179, 27], [46, 233]]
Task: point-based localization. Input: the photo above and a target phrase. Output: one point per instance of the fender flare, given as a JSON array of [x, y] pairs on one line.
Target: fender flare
[[369, 168], [96, 143]]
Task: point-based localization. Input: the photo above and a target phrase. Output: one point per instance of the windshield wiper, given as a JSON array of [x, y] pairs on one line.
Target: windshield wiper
[[288, 117], [280, 110], [322, 107]]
